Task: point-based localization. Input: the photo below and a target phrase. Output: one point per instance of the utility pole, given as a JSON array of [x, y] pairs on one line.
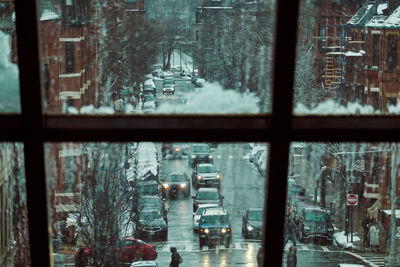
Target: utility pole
[[392, 250]]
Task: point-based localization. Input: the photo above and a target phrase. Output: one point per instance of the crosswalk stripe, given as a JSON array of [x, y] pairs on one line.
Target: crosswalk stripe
[[304, 247], [324, 248], [237, 245], [166, 247], [188, 247]]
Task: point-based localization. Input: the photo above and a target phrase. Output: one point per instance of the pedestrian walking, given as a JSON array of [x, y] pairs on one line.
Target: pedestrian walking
[[176, 259], [365, 224], [373, 237], [260, 257], [290, 233], [291, 258]]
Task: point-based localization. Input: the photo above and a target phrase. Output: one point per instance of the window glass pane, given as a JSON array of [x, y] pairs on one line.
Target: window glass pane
[[347, 60], [14, 236], [139, 57], [9, 75], [340, 200], [123, 201]]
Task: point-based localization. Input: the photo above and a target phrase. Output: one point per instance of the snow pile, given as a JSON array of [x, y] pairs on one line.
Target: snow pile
[[213, 99], [331, 107], [341, 239], [90, 109], [9, 83], [146, 155]]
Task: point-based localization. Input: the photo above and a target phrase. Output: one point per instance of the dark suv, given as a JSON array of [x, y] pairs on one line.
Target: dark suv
[[206, 174], [207, 196], [215, 227], [200, 153], [315, 223]]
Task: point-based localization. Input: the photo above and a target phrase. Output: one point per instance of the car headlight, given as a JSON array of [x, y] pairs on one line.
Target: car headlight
[[206, 231], [177, 149], [182, 185], [193, 156], [223, 230], [218, 176], [250, 228], [199, 177], [165, 186], [164, 89], [210, 156]]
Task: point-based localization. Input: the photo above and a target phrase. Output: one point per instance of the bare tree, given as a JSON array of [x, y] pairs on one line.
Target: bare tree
[[106, 202]]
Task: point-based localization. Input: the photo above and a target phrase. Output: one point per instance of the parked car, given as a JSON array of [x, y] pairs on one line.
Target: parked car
[[206, 174], [215, 227], [153, 202], [151, 225], [252, 223], [175, 183], [197, 214], [314, 224], [144, 264], [147, 188], [207, 196], [200, 82], [149, 87], [200, 153], [294, 199], [127, 249], [194, 78]]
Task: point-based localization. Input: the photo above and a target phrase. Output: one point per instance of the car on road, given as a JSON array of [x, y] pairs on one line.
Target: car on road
[[200, 153], [128, 249], [215, 227], [176, 150], [149, 87], [168, 86], [294, 199], [174, 183], [194, 78], [197, 214], [151, 225], [315, 224], [200, 82], [144, 264], [206, 174], [147, 188], [252, 223], [207, 195], [152, 202]]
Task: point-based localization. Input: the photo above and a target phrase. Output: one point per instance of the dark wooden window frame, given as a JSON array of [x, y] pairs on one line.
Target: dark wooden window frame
[[33, 128]]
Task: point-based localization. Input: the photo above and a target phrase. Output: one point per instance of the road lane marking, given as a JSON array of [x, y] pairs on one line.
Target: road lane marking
[[361, 258], [237, 245], [188, 247], [304, 247], [166, 247]]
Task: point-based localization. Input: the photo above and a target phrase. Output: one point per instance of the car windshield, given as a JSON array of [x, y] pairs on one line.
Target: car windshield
[[206, 169], [201, 149], [255, 215], [207, 195], [215, 219], [316, 217], [175, 178], [149, 215], [200, 210]]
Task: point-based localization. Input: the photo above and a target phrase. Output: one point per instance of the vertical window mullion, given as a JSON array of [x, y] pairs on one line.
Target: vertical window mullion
[[282, 102], [31, 107]]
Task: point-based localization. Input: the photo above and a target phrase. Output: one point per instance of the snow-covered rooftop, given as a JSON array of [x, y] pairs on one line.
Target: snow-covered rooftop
[[377, 21], [49, 15], [397, 212], [361, 16], [393, 20]]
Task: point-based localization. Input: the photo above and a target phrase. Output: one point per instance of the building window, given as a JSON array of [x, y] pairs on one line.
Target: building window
[[375, 49], [69, 57], [392, 52]]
